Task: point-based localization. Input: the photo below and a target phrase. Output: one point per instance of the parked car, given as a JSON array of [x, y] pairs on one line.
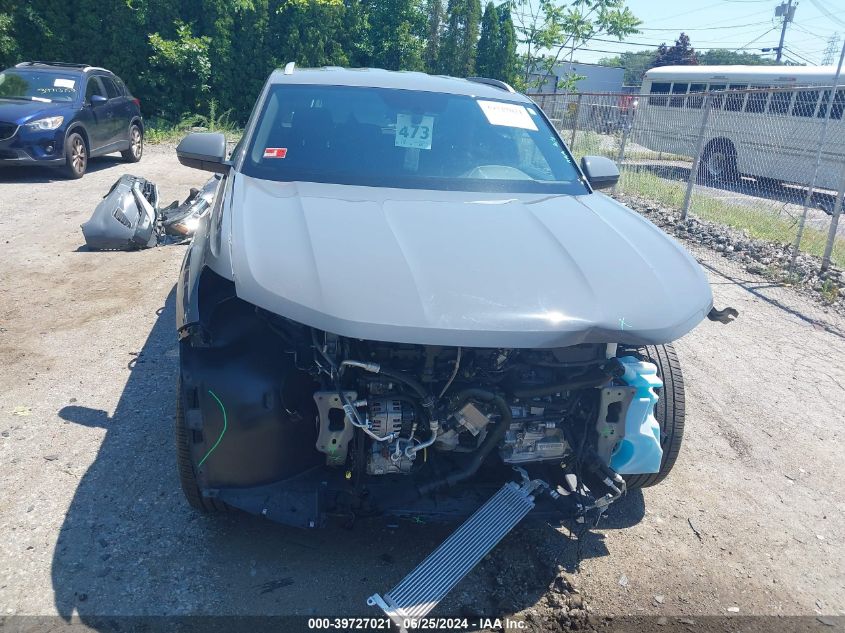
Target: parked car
[[408, 292], [61, 115]]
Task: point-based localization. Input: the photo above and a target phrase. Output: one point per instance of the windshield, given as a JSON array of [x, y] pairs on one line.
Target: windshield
[[37, 86], [409, 139]]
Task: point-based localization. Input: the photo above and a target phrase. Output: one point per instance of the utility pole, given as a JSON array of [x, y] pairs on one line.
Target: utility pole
[[787, 11]]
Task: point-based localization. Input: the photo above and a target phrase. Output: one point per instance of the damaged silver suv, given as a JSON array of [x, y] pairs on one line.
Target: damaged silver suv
[[408, 296]]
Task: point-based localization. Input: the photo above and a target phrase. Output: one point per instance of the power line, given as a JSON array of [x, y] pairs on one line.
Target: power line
[[652, 44], [708, 28], [756, 39], [678, 15], [799, 56], [825, 10]]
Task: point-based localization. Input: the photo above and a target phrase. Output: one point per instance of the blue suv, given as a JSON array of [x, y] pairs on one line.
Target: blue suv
[[61, 115]]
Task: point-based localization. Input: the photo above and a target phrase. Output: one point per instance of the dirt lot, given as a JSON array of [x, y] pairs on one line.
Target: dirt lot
[[92, 520]]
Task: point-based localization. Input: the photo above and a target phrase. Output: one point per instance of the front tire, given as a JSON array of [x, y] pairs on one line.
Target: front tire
[[76, 156], [185, 464], [669, 411], [718, 163], [136, 144]]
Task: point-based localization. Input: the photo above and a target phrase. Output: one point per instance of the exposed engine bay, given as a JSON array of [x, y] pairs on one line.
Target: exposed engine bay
[[298, 424], [414, 401], [437, 414]]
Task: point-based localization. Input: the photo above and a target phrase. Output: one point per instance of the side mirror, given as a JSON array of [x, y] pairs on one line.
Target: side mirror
[[98, 99], [601, 172], [204, 150]]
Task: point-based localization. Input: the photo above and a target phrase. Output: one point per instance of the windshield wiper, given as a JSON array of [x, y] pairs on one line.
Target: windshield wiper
[[24, 98]]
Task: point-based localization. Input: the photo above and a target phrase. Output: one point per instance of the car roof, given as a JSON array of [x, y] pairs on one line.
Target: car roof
[[398, 80], [61, 66]]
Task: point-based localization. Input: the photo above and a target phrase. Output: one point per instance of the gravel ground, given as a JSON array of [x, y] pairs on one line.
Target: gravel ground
[[92, 521]]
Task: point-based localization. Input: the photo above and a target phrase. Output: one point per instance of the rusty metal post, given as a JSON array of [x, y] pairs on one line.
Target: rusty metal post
[[696, 161], [808, 198], [629, 126], [834, 221], [575, 123]]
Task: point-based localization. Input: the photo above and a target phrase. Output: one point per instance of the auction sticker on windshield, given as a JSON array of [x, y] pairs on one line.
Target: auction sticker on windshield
[[414, 131], [507, 114]]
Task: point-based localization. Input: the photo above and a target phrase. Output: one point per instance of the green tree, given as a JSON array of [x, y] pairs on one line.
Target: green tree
[[308, 32], [488, 43], [178, 72], [719, 57], [39, 29], [547, 29], [435, 28], [506, 63], [397, 29], [635, 63], [8, 46], [681, 54], [457, 54], [356, 36], [249, 62]]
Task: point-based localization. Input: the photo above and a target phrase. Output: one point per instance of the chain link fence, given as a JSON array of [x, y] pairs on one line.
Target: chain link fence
[[729, 172]]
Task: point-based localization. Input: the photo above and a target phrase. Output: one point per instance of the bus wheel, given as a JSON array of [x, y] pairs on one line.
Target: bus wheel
[[718, 162]]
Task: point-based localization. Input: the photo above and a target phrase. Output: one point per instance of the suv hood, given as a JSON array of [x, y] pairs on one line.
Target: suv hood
[[461, 268], [19, 112]]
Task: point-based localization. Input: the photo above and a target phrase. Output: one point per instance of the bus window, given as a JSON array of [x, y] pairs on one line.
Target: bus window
[[678, 89], [756, 101], [805, 103], [695, 102], [780, 102], [733, 101], [838, 104], [659, 89], [717, 98]]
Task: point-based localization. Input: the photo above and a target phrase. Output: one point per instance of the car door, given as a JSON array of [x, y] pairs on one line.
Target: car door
[[96, 121], [116, 111]]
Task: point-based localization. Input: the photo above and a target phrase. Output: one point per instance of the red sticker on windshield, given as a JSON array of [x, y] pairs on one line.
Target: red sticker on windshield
[[275, 152]]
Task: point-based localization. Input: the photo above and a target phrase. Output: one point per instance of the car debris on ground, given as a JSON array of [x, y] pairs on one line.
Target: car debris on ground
[[129, 216]]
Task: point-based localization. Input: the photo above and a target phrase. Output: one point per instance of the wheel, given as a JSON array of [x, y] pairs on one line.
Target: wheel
[[669, 410], [185, 465], [136, 145], [76, 156], [718, 162]]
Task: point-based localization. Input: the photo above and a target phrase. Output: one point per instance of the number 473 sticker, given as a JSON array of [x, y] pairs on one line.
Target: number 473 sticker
[[414, 131]]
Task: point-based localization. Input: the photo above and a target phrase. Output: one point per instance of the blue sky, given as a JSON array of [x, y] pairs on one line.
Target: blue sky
[[732, 24]]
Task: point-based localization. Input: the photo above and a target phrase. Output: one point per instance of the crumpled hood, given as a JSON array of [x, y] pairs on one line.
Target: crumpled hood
[[461, 268]]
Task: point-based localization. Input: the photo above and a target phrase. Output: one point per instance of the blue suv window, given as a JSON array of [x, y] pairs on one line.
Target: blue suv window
[[38, 86], [111, 89], [93, 88]]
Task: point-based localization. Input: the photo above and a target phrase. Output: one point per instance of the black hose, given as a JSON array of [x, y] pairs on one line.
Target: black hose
[[410, 382], [492, 440], [597, 377]]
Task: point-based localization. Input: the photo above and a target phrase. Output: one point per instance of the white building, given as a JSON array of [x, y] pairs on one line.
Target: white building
[[596, 78]]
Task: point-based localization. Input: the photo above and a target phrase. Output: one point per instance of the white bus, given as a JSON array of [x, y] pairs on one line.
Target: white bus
[[768, 128]]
